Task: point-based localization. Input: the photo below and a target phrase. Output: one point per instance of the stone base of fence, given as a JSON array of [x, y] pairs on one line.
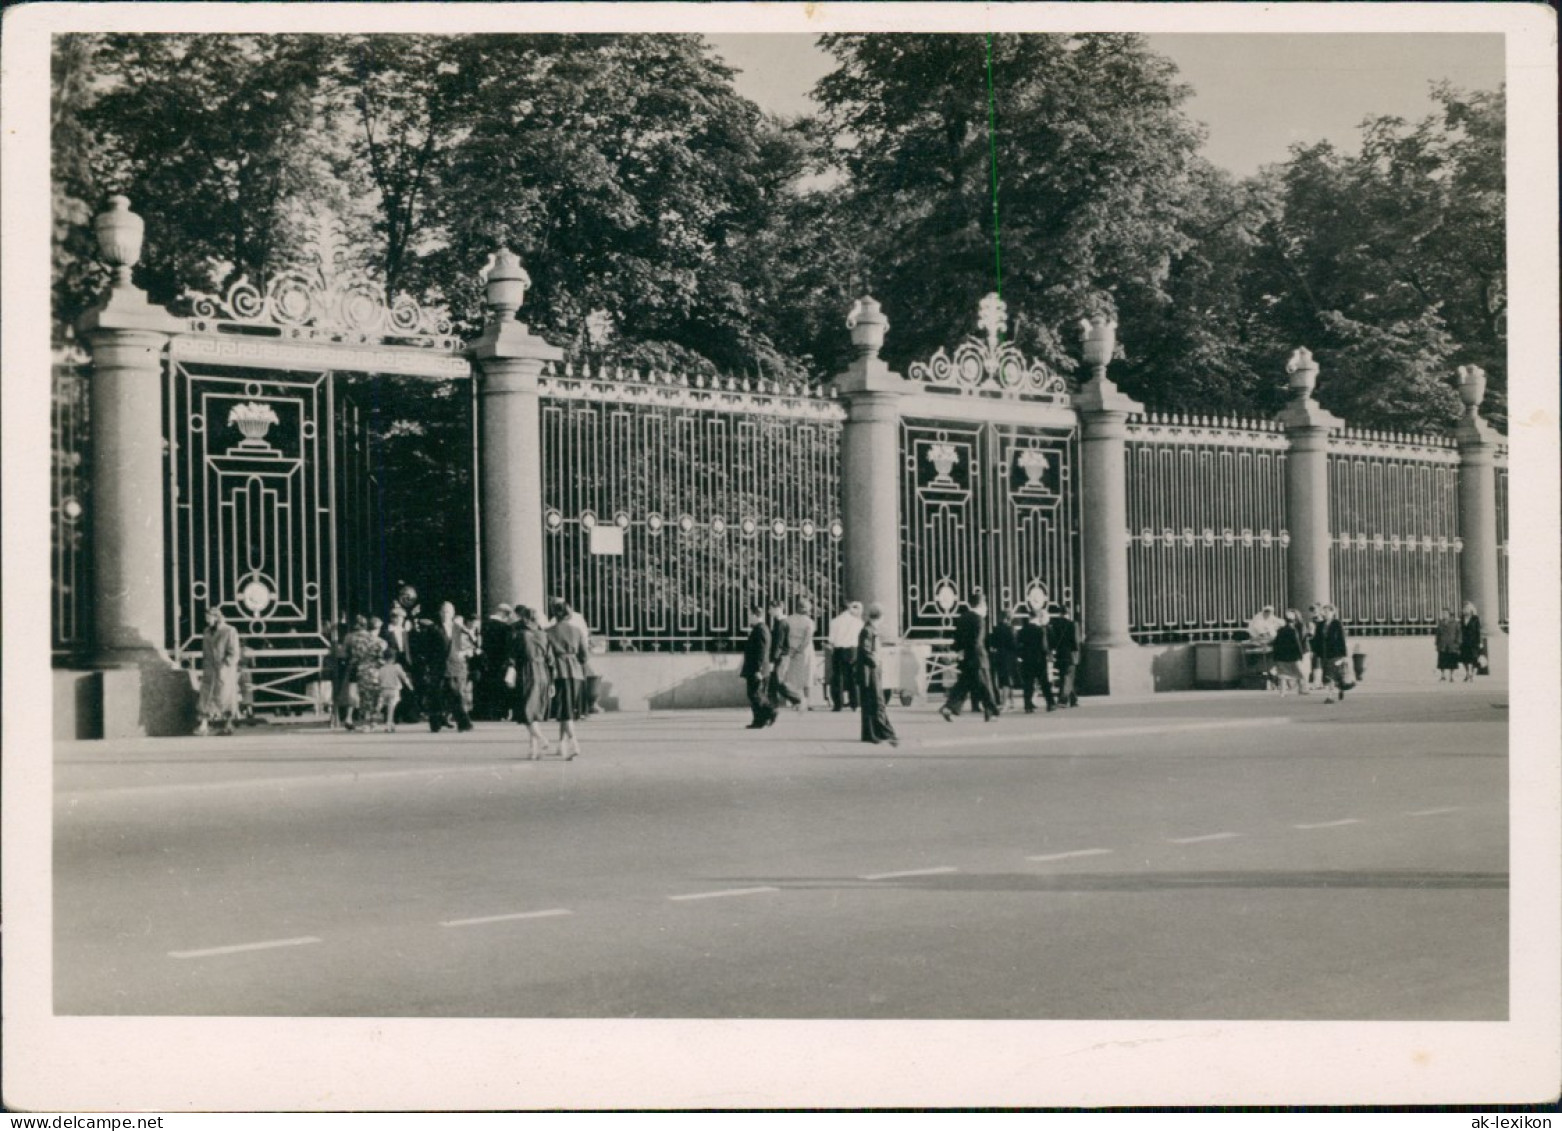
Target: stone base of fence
[[1126, 670], [144, 702], [1390, 659], [661, 681]]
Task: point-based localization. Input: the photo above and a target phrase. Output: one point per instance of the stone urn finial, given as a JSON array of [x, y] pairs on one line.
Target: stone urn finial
[[119, 232], [504, 284], [868, 326], [1472, 388], [1303, 373], [1100, 341]]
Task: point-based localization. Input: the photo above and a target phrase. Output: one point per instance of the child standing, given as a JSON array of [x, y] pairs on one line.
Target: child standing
[[392, 679]]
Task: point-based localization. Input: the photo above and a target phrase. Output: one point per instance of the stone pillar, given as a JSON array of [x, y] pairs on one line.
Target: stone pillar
[[143, 691], [870, 469], [1110, 662], [509, 359], [1477, 501], [1307, 426], [127, 336]]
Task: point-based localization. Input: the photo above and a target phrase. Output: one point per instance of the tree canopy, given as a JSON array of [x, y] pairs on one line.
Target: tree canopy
[[667, 220]]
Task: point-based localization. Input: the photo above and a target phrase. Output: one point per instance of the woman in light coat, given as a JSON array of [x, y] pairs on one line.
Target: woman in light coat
[[531, 658], [219, 700], [568, 644]]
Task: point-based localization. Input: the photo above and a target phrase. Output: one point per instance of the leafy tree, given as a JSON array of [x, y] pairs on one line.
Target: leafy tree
[[1201, 342], [625, 171], [400, 103], [210, 137], [1093, 160], [1390, 264]]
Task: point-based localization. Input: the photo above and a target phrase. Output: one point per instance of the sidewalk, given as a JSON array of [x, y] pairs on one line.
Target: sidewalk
[[725, 729]]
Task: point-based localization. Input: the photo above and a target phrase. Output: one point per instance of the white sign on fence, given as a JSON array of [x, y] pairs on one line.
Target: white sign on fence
[[607, 540]]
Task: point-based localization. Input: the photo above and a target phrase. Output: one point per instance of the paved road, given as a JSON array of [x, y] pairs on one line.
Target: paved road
[[1195, 856]]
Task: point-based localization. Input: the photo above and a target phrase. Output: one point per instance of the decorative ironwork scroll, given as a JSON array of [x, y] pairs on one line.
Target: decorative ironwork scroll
[[1207, 531], [69, 511], [990, 364], [1394, 510], [269, 486], [669, 507], [985, 505], [323, 301]]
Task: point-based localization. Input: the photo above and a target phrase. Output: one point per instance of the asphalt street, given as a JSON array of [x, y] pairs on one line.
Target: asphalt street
[[1222, 856]]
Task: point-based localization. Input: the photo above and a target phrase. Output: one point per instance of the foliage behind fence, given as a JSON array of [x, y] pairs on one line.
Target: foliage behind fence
[[671, 503], [1206, 525], [1394, 518]]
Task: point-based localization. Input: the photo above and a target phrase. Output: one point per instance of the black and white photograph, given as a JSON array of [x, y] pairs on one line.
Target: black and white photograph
[[466, 456]]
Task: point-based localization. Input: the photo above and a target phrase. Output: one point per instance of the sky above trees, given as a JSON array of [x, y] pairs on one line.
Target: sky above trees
[[1256, 94]]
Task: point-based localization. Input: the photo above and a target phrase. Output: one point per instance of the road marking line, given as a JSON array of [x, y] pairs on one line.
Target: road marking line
[[211, 951], [1330, 824], [1071, 855], [1106, 732], [720, 894], [913, 872], [1198, 839], [506, 918], [1435, 812]]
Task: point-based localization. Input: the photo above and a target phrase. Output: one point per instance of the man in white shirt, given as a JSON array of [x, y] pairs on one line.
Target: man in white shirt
[[845, 630], [1264, 625]]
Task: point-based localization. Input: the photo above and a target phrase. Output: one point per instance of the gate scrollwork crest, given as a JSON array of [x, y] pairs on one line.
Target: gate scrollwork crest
[[990, 361]]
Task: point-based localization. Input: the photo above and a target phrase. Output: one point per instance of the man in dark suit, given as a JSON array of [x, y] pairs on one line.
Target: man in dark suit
[[1063, 640], [975, 670], [756, 670], [445, 666], [780, 647], [1032, 642]]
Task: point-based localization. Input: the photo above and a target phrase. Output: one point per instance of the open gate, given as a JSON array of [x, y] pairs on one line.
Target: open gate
[[272, 497]]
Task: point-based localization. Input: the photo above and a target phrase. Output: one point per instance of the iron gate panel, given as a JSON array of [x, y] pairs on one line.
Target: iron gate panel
[[1394, 514], [269, 487], [69, 513], [719, 500], [988, 505]]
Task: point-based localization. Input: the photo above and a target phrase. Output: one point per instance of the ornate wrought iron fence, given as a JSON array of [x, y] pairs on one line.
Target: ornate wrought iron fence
[[670, 503], [1502, 535], [271, 499], [1394, 509], [1207, 531], [985, 505], [69, 510]]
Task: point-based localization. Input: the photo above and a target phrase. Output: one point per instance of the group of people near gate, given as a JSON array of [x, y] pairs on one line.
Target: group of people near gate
[[405, 669], [778, 659], [515, 666], [1037, 649], [1319, 639], [992, 663]]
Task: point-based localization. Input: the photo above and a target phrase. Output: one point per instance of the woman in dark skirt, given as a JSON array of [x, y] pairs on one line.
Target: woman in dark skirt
[[530, 656], [568, 643], [875, 720], [1447, 645], [1005, 656], [1470, 640]]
